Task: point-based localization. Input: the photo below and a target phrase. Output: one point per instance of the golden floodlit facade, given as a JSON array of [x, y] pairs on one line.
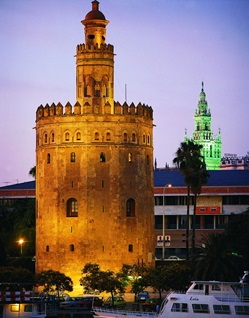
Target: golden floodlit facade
[[94, 170]]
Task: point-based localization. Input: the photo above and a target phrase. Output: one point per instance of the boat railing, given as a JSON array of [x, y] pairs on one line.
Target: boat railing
[[124, 312]]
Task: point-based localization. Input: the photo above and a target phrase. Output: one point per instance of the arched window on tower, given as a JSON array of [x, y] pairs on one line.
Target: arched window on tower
[[52, 137], [48, 158], [67, 136], [102, 157], [96, 136], [125, 137], [130, 157], [45, 138], [211, 151], [108, 136], [72, 207], [78, 136], [130, 207], [133, 137], [73, 157], [198, 126]]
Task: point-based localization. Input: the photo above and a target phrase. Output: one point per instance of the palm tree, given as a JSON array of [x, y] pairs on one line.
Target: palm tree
[[32, 172], [215, 261], [192, 165]]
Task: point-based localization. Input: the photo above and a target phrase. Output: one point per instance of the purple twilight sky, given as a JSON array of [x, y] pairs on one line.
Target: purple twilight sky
[[164, 50]]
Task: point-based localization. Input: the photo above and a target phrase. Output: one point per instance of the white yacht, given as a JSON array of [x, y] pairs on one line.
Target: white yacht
[[203, 299]]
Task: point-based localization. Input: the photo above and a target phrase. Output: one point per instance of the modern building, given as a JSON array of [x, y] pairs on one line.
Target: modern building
[[225, 194], [203, 135], [94, 169]]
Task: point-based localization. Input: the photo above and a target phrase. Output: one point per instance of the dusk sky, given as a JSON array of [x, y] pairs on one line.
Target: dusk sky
[[164, 50]]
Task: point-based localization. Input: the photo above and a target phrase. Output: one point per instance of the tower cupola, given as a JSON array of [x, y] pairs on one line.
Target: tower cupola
[[95, 25]]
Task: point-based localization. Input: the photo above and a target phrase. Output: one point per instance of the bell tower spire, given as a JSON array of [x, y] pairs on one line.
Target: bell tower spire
[[95, 65]]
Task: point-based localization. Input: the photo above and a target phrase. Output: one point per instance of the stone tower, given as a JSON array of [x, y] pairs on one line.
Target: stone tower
[[203, 135], [94, 183]]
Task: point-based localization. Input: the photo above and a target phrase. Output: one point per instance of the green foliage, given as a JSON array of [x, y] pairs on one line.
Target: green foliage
[[32, 172], [17, 219], [54, 281], [20, 276], [96, 279]]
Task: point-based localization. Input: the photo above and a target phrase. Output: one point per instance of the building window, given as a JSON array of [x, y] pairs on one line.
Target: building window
[[73, 157], [48, 158], [102, 157], [130, 158], [72, 208], [130, 248], [96, 136], [144, 138], [130, 207], [71, 248], [52, 137], [133, 137], [47, 248]]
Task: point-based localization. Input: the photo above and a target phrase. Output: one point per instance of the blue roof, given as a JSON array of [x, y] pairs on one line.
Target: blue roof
[[217, 178], [30, 185]]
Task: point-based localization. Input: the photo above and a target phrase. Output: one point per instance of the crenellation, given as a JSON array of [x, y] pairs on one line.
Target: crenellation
[[141, 110], [81, 48]]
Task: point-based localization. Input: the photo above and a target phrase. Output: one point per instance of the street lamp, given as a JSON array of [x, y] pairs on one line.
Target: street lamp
[[166, 186], [21, 241]]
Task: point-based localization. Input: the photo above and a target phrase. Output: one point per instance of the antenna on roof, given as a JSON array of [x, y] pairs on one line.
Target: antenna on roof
[[125, 93]]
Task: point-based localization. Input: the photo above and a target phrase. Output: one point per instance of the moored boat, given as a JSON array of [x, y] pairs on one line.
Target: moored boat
[[205, 299]]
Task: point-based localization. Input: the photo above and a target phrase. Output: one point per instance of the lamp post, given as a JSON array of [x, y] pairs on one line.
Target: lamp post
[[21, 241], [166, 186]]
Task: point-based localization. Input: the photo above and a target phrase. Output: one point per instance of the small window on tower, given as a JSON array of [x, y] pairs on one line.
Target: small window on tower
[[52, 137], [91, 36], [102, 157], [130, 207], [73, 157], [130, 158], [48, 158], [47, 248], [130, 248], [45, 138], [71, 247], [133, 137]]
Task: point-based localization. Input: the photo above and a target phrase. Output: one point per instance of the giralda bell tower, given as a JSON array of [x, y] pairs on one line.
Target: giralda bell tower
[[94, 182]]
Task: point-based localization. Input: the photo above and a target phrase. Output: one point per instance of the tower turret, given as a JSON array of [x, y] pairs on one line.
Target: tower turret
[[204, 136], [95, 65]]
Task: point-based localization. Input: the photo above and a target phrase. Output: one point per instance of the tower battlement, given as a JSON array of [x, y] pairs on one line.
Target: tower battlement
[[94, 48], [52, 110]]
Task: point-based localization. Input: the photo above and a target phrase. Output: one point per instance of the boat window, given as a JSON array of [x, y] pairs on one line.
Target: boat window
[[179, 307], [215, 287], [27, 308], [222, 309], [242, 310], [198, 286], [200, 308]]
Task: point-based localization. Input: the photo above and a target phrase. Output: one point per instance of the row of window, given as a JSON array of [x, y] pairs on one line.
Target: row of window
[[72, 248], [182, 200], [178, 222], [68, 137], [102, 157], [204, 309], [72, 208]]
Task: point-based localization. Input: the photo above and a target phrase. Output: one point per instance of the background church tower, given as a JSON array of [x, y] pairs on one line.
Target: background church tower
[[203, 135], [94, 183]]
